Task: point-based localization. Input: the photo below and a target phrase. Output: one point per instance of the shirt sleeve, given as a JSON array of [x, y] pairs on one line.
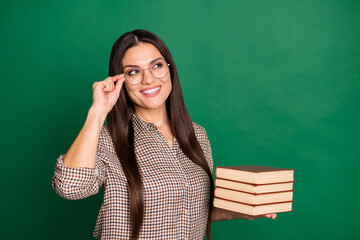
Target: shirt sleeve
[[203, 139], [82, 182], [208, 153]]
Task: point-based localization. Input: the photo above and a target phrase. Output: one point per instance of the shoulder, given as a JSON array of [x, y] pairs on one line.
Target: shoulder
[[105, 140], [105, 133], [200, 132], [202, 138], [198, 128]]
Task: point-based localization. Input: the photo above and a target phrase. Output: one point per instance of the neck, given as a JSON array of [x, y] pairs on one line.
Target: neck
[[158, 117]]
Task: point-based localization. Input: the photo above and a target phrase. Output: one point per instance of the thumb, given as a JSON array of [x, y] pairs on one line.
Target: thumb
[[116, 91], [118, 85]]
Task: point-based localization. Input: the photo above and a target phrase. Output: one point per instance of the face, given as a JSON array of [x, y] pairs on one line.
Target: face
[[152, 92]]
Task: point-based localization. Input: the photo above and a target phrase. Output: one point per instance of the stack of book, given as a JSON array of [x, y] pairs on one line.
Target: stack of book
[[254, 190]]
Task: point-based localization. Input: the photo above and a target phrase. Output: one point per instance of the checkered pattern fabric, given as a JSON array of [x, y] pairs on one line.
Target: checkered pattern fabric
[[176, 190]]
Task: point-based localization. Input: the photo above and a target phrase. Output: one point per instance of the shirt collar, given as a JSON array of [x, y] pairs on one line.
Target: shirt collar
[[140, 125]]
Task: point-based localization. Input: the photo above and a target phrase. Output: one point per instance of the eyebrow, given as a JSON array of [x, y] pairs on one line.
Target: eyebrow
[[149, 63]]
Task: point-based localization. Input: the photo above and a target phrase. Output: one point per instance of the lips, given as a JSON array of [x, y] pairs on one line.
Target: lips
[[151, 92]]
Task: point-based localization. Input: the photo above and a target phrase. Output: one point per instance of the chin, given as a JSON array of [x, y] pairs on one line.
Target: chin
[[152, 105]]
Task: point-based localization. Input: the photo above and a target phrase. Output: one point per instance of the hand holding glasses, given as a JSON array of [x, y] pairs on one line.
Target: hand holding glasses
[[135, 75]]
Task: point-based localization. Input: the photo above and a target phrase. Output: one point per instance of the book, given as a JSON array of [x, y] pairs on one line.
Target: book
[[253, 198], [255, 174], [254, 188], [253, 210]]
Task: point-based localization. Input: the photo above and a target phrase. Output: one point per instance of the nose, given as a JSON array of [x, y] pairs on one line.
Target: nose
[[147, 77]]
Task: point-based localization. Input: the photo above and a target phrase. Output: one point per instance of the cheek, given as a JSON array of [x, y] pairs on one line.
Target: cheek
[[130, 88], [168, 85], [130, 91]]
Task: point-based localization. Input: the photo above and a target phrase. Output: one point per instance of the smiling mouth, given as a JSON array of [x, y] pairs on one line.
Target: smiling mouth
[[151, 91]]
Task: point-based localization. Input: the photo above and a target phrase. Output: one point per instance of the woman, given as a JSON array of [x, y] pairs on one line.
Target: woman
[[153, 161]]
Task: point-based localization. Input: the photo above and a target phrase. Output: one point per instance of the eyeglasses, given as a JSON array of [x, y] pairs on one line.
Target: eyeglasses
[[135, 75]]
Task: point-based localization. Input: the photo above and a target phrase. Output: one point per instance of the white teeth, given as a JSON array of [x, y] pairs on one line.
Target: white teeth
[[151, 90]]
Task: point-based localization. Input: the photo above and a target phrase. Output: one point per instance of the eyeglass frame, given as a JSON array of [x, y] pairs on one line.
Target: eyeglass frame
[[143, 71]]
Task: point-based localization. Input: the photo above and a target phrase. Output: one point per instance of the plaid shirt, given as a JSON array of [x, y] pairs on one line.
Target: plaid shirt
[[176, 190]]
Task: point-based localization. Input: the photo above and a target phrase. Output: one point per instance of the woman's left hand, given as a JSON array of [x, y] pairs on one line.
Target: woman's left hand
[[219, 214], [234, 215]]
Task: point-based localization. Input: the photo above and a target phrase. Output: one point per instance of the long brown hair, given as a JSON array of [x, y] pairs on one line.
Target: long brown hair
[[122, 132]]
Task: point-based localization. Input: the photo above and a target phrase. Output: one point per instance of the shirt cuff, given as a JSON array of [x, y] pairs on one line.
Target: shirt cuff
[[77, 177]]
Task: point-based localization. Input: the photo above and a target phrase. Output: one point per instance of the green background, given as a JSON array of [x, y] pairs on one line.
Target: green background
[[274, 83]]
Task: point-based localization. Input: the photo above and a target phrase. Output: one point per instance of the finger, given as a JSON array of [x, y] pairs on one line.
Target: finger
[[108, 79], [271, 215], [96, 85], [116, 77], [116, 92], [119, 84], [107, 86]]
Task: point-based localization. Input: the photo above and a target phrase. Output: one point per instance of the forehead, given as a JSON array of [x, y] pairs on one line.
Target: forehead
[[141, 55]]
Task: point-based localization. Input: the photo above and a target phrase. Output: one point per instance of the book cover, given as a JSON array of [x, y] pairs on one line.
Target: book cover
[[255, 174], [254, 188], [253, 198], [253, 210], [256, 168]]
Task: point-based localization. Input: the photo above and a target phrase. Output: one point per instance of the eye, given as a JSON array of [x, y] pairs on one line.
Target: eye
[[157, 65], [132, 72]]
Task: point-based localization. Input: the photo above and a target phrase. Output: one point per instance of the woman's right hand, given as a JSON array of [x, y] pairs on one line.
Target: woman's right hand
[[82, 152], [106, 93]]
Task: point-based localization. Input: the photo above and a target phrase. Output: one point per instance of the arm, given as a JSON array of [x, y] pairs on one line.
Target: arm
[[81, 172], [82, 152], [219, 214]]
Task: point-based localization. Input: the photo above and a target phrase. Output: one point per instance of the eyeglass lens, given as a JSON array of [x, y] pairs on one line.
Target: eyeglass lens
[[134, 75]]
